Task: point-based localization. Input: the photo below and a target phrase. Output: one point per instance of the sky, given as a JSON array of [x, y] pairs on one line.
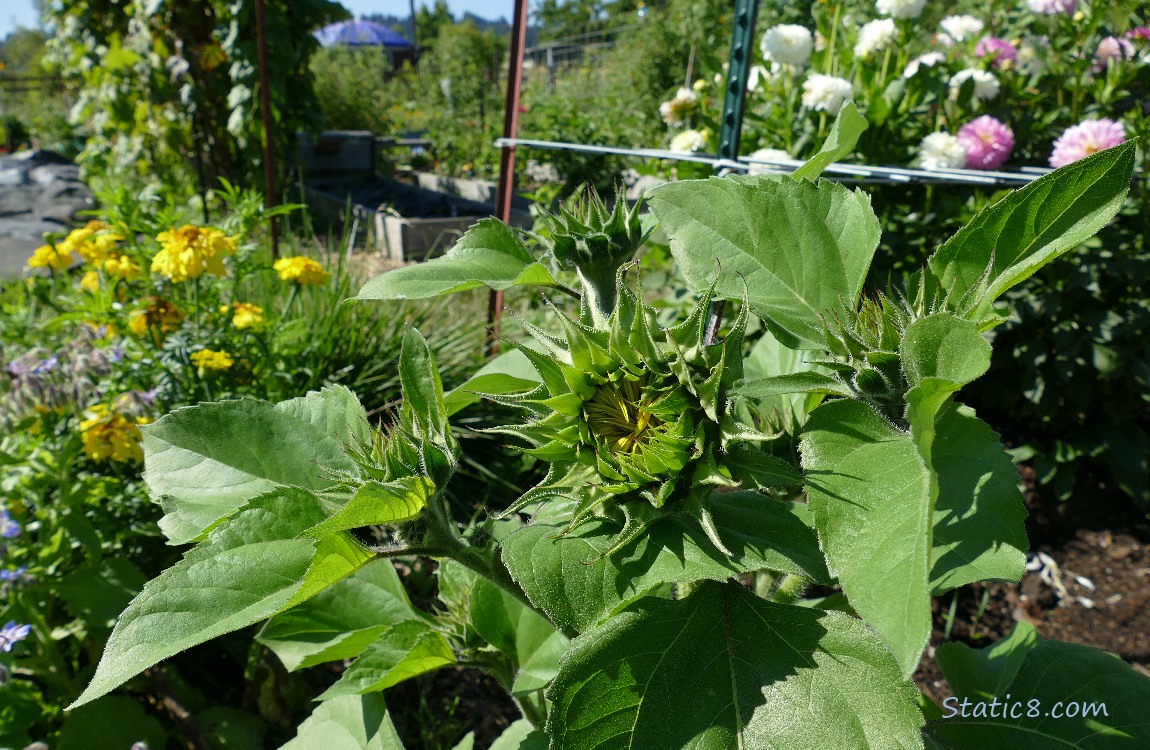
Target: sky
[[21, 13]]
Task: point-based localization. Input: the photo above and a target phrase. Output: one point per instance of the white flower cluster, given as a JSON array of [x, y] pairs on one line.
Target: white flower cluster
[[941, 151], [675, 111], [927, 60], [986, 86], [961, 28], [900, 8], [688, 141], [875, 36], [787, 43], [825, 93]]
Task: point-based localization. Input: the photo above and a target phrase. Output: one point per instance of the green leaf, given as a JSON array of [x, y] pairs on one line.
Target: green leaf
[[507, 623], [539, 668], [801, 251], [379, 503], [422, 388], [979, 516], [757, 469], [404, 651], [510, 372], [945, 347], [870, 492], [520, 736], [849, 125], [1007, 242], [342, 621], [489, 254], [98, 594], [724, 669], [353, 722], [245, 571], [1107, 697], [204, 462], [986, 673], [795, 382], [768, 358], [117, 722], [567, 576]]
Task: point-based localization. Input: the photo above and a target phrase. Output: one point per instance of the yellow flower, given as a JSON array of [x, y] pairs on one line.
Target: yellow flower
[[91, 241], [57, 257], [106, 331], [208, 359], [244, 314], [90, 282], [119, 265], [189, 252], [110, 435], [302, 270], [157, 313]]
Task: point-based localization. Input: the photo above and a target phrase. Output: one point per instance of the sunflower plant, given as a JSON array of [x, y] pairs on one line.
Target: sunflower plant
[[746, 510]]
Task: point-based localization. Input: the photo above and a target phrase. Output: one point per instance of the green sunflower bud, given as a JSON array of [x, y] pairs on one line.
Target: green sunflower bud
[[633, 418], [595, 242]]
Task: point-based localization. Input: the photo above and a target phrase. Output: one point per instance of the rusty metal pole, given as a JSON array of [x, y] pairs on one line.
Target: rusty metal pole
[[270, 199], [507, 156]]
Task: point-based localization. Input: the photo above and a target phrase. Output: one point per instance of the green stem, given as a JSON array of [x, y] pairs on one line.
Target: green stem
[[291, 300]]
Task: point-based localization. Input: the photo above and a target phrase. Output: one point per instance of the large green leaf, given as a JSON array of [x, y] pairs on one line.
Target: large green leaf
[[800, 251], [724, 669], [353, 722], [1007, 242], [520, 736], [116, 720], [849, 125], [405, 650], [245, 571], [342, 621], [204, 462], [986, 673], [979, 515], [567, 576], [510, 372], [1063, 695], [507, 623], [489, 254], [379, 503], [870, 492]]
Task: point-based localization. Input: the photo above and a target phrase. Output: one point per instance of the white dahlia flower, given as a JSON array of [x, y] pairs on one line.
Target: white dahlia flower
[[941, 151], [900, 8], [787, 43], [961, 28], [875, 36], [825, 93], [985, 84]]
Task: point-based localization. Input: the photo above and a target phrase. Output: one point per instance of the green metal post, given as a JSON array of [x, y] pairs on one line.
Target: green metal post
[[738, 71]]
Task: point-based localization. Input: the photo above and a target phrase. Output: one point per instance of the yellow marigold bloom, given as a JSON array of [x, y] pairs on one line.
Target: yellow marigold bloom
[[157, 313], [301, 270], [109, 435], [90, 282], [190, 252], [208, 359], [57, 257], [91, 241], [119, 265], [244, 314]]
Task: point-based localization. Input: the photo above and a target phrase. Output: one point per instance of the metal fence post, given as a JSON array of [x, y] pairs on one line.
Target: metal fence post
[[738, 71]]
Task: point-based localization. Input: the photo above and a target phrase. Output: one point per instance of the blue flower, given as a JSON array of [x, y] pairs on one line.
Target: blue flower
[[46, 365], [12, 575], [9, 529], [11, 633]]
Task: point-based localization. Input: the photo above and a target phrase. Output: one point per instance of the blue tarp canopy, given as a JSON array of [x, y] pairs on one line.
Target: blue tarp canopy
[[361, 33]]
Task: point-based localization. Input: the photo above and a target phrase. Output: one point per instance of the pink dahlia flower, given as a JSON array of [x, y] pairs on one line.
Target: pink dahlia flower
[[1141, 33], [1112, 48], [998, 50], [987, 141], [1052, 7], [1085, 138]]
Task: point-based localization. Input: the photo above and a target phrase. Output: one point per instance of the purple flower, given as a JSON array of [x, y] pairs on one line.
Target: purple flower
[[11, 633], [46, 365], [1052, 7], [1138, 32], [1112, 48], [1085, 138], [9, 529], [1001, 52], [12, 575], [987, 141]]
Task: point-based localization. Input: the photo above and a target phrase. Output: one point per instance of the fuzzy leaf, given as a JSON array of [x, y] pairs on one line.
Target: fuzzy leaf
[[353, 722], [489, 254], [801, 251], [724, 669], [1008, 241], [204, 462], [870, 492], [378, 503], [405, 650], [849, 125]]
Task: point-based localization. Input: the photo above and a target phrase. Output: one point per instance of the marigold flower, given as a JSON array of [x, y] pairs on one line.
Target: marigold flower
[[90, 282], [941, 151], [825, 93], [189, 252], [988, 142], [301, 270], [875, 36], [787, 43], [1085, 138], [209, 359], [120, 265], [58, 257], [110, 435], [91, 241], [244, 314], [159, 314]]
